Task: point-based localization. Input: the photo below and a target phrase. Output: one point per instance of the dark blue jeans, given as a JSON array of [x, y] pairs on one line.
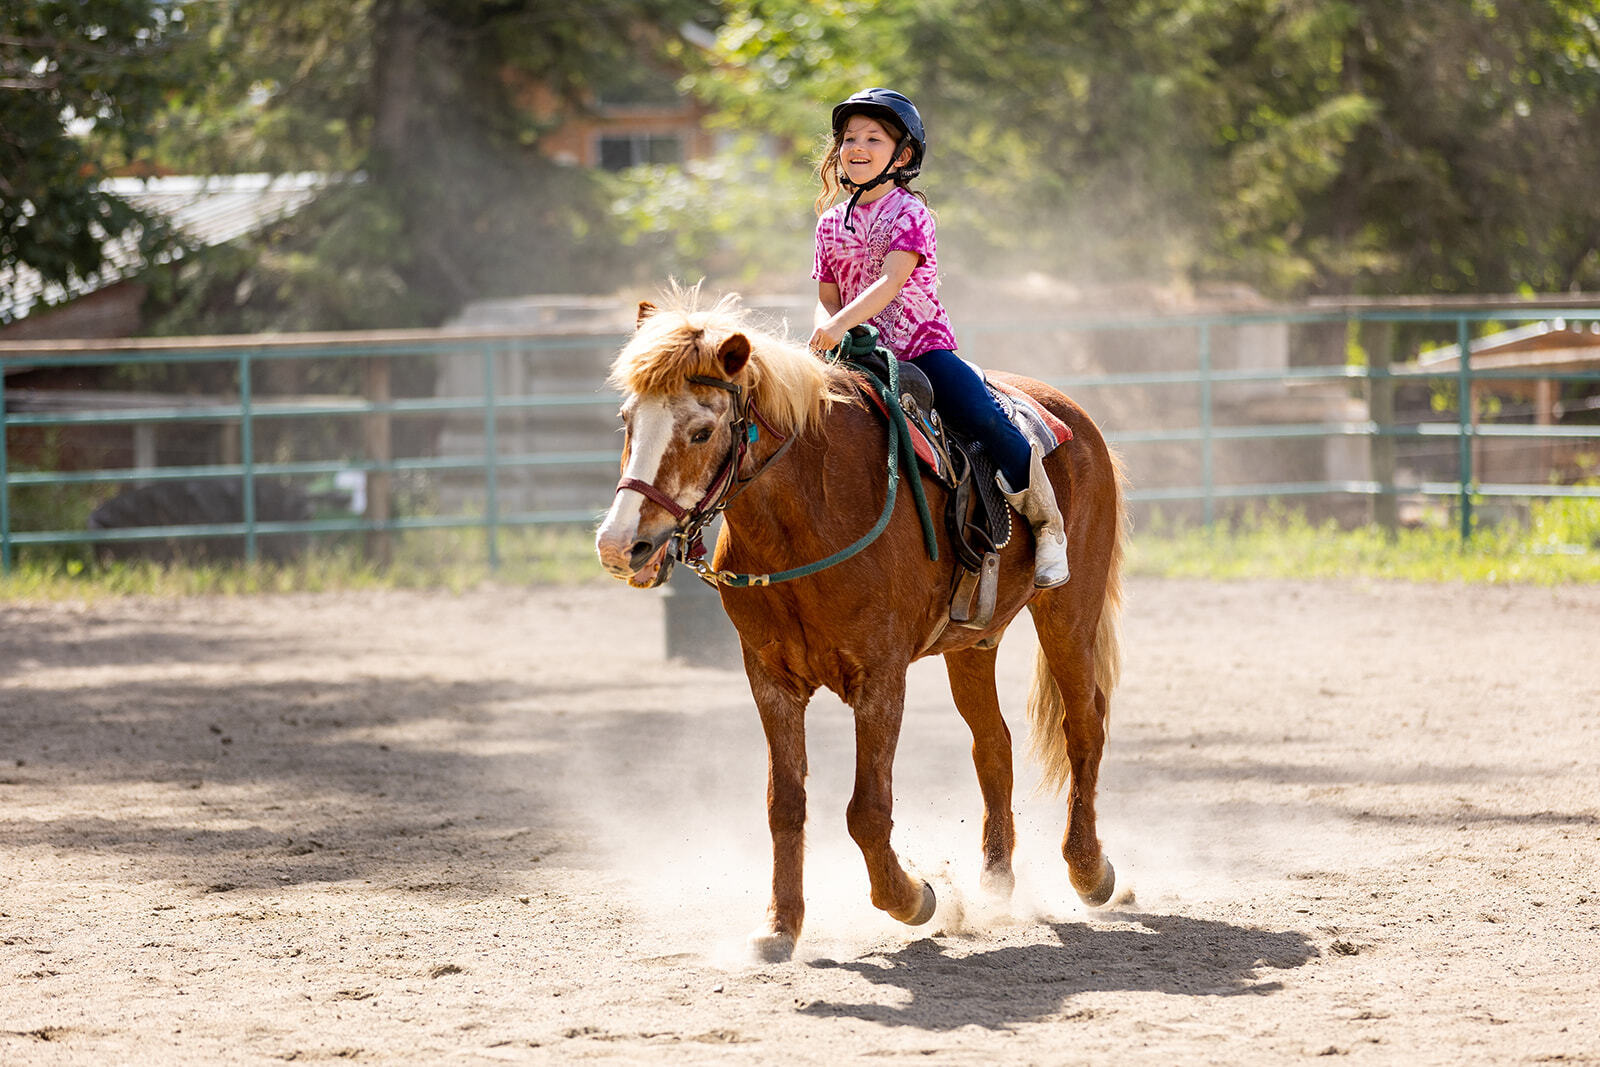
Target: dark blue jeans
[[965, 406]]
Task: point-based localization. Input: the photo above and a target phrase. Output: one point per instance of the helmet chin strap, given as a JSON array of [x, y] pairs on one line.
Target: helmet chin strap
[[873, 184]]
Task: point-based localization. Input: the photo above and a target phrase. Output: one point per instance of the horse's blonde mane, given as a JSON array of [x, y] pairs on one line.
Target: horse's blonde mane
[[790, 386]]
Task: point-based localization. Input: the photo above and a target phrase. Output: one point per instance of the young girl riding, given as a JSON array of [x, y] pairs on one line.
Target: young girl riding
[[875, 262]]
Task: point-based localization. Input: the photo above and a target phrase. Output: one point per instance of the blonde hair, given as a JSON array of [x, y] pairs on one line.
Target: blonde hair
[[828, 168]]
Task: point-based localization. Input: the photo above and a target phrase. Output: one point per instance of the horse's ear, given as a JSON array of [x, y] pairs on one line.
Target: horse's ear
[[734, 354], [646, 309]]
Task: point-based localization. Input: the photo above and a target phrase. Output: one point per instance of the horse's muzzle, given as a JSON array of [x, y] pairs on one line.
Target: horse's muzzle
[[650, 562], [642, 563]]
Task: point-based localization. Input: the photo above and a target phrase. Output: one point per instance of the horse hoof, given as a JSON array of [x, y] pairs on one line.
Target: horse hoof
[[1101, 893], [925, 912], [998, 883], [772, 947]]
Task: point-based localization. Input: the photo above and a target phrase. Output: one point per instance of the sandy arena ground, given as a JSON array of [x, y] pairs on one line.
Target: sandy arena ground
[[1360, 821]]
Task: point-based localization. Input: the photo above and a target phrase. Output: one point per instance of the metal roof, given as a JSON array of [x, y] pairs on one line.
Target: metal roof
[[1548, 345], [206, 210]]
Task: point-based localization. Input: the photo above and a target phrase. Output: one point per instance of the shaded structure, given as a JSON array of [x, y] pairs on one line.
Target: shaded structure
[[1529, 382]]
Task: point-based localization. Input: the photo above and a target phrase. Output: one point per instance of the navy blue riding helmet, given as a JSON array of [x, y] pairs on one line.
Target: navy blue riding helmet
[[901, 116]]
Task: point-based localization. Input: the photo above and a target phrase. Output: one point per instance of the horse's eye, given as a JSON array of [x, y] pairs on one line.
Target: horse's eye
[[700, 437]]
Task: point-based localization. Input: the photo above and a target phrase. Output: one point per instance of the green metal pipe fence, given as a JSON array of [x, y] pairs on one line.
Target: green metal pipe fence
[[1464, 429], [490, 410], [488, 407]]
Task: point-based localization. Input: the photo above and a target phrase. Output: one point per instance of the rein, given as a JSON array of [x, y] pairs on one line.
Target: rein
[[687, 539]]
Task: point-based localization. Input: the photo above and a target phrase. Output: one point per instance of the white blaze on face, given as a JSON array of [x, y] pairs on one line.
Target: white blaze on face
[[651, 430]]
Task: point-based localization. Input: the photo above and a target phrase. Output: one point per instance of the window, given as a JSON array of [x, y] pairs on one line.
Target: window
[[618, 151]]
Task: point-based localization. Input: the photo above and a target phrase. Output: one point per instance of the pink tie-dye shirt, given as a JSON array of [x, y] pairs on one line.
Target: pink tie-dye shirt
[[914, 322]]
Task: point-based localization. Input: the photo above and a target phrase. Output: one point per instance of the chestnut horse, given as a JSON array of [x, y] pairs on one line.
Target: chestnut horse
[[720, 415]]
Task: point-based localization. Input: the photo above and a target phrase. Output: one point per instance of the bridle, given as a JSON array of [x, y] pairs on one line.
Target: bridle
[[745, 422], [745, 425]]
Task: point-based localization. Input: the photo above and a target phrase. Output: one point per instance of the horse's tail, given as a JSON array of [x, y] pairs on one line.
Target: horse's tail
[[1047, 708]]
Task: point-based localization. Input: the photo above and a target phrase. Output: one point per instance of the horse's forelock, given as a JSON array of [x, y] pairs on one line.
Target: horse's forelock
[[681, 339], [668, 347]]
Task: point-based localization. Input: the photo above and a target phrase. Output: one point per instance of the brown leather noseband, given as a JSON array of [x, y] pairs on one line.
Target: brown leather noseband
[[744, 425]]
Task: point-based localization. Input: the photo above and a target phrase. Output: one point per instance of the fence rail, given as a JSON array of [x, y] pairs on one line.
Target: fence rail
[[503, 413]]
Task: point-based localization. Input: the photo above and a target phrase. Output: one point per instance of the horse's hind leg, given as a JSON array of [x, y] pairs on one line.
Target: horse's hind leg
[[870, 815], [783, 721], [972, 685], [1068, 648]]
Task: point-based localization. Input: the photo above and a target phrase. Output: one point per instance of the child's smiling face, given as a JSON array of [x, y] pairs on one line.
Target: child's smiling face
[[865, 148]]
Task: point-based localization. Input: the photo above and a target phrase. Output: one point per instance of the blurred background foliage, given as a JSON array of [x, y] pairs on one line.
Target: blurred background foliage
[[1303, 147]]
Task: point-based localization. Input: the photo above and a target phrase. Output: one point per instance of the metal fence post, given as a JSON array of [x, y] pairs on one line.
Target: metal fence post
[[1207, 471], [1464, 425], [247, 455], [379, 433], [491, 460], [5, 488]]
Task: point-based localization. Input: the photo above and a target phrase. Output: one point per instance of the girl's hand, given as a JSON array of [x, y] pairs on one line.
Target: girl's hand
[[825, 339]]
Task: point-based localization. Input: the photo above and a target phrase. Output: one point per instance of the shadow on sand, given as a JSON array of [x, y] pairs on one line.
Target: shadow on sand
[[1000, 987]]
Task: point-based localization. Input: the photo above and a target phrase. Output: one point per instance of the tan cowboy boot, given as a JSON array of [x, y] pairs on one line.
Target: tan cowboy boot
[[1037, 503]]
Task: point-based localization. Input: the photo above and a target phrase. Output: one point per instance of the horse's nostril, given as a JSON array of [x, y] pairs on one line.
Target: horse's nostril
[[642, 551]]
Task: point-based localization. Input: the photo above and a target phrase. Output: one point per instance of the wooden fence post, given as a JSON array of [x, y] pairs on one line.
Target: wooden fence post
[[1378, 338]]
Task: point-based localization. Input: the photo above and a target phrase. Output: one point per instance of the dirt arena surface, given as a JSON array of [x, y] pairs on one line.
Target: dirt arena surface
[[1360, 821]]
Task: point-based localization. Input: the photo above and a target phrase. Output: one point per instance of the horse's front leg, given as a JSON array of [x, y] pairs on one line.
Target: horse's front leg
[[878, 711], [783, 719]]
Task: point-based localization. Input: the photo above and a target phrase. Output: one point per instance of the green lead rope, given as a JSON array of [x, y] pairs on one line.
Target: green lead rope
[[859, 342], [863, 341]]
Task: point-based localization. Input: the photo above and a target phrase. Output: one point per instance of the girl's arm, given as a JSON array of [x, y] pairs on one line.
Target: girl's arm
[[833, 321], [828, 303]]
